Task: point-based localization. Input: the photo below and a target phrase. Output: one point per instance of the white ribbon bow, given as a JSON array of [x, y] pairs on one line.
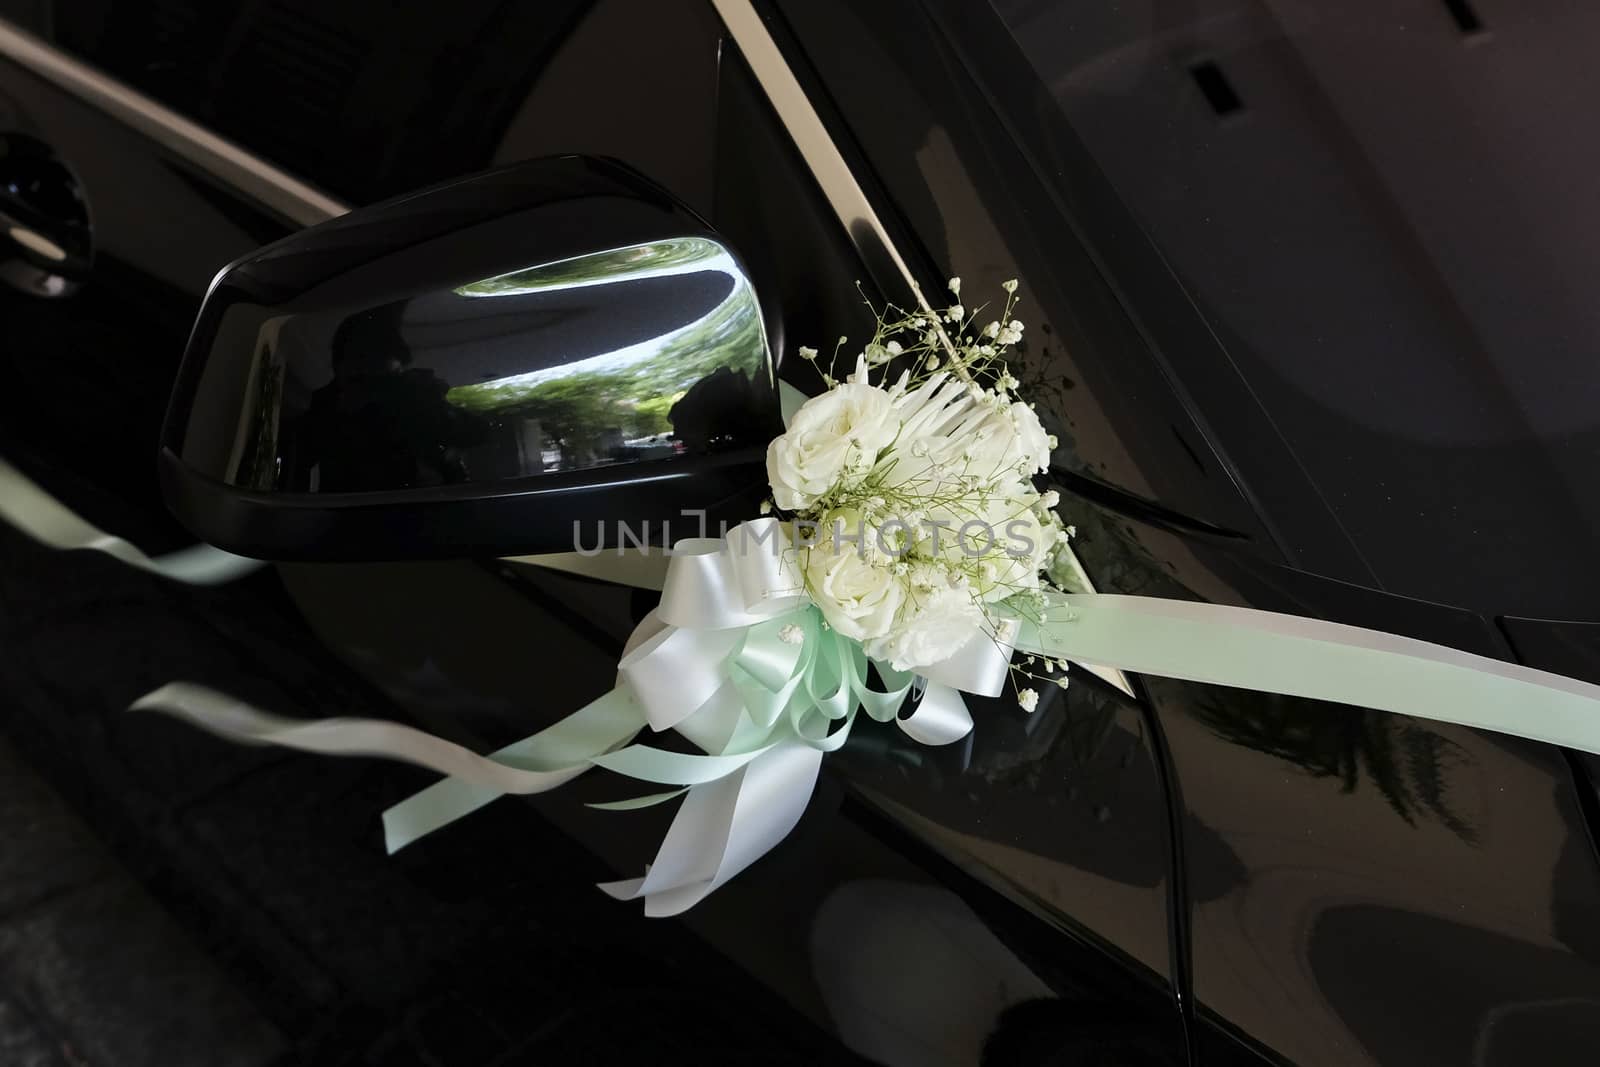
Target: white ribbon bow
[[736, 659]]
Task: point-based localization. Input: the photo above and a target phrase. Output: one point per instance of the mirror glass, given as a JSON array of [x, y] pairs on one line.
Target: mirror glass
[[638, 353]]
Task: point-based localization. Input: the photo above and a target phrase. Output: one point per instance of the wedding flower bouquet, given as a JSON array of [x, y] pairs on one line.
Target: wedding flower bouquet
[[917, 523]]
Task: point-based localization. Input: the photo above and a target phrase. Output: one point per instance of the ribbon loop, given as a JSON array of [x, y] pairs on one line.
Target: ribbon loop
[[980, 666], [676, 670], [702, 589], [940, 717]]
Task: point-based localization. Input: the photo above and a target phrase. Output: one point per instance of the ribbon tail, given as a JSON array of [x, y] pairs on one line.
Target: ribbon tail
[[550, 758], [1300, 657], [42, 517], [723, 827], [638, 803], [569, 745]]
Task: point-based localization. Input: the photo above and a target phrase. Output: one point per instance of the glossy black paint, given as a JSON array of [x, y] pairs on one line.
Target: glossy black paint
[[1391, 823], [481, 367], [1197, 875]]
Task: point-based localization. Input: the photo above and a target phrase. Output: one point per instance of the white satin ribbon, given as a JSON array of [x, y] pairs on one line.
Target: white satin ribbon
[[723, 827]]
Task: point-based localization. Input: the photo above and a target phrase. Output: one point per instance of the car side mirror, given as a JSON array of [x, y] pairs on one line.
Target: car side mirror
[[474, 369]]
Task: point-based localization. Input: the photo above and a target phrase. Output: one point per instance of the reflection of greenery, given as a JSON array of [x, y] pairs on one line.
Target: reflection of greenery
[[636, 397], [576, 412], [650, 416], [1407, 761], [638, 261], [258, 466]]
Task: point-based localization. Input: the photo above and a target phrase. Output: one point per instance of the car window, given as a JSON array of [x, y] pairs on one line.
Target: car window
[[1384, 213]]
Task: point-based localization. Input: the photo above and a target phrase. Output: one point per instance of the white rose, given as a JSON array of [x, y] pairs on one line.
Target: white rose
[[854, 584], [936, 620], [1024, 542], [833, 436]]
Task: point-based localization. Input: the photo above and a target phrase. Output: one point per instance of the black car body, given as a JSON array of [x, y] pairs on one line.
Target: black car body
[[1282, 377]]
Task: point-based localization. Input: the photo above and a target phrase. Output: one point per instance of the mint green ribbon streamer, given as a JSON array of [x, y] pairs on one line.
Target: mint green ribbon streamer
[[1300, 657], [565, 748], [806, 694], [42, 517]]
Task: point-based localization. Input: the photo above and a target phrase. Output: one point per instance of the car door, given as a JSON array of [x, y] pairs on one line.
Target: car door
[[1009, 900], [1334, 860]]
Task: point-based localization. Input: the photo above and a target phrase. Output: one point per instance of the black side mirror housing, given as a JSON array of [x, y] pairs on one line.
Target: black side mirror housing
[[478, 368]]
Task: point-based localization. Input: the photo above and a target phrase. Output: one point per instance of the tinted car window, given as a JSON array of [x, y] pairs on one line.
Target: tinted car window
[[1384, 213]]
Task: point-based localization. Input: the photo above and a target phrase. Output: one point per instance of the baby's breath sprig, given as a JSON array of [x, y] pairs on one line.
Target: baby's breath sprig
[[929, 341]]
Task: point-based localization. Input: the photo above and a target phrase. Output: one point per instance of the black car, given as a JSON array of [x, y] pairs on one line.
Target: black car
[[1306, 299]]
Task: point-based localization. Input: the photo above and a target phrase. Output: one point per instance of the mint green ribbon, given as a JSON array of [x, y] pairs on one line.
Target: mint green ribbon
[[42, 517], [1300, 657]]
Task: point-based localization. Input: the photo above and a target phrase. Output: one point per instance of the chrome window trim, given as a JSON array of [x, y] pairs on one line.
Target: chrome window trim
[[810, 135], [828, 166], [275, 189]]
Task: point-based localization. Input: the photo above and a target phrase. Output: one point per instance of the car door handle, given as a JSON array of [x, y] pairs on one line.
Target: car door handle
[[44, 220]]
